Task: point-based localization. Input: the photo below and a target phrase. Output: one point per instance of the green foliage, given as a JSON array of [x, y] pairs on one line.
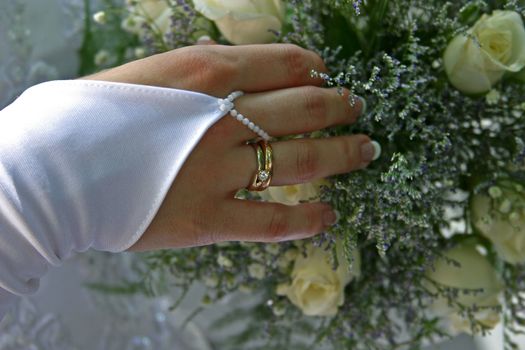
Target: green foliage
[[109, 36]]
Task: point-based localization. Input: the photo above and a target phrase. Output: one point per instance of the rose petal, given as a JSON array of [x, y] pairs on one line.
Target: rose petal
[[243, 29]]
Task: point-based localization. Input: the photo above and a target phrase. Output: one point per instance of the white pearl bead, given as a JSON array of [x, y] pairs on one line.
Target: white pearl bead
[[228, 105]]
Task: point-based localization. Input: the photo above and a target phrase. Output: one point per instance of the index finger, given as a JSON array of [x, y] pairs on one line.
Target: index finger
[[218, 69], [273, 66]]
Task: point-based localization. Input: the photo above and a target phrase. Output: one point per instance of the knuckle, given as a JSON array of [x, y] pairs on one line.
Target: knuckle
[[344, 97], [199, 229], [208, 65], [211, 236], [317, 60], [278, 226], [225, 70], [198, 59], [316, 107], [202, 230], [296, 63], [307, 161], [349, 152], [313, 221]]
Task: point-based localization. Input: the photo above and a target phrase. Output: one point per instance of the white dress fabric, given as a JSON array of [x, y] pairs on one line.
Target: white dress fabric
[[86, 164]]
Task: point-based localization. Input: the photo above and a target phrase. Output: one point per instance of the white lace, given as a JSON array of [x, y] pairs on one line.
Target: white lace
[[34, 37]]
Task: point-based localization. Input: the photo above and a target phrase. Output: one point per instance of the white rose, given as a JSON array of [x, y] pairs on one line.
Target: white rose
[[284, 260], [224, 261], [316, 288], [100, 17], [293, 194], [494, 46], [257, 271], [103, 58], [211, 281], [154, 12], [474, 272], [244, 21], [500, 217]]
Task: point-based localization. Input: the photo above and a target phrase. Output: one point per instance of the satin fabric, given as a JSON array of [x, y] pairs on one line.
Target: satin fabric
[[87, 164]]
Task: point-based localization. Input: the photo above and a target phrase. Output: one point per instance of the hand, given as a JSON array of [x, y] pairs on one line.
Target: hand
[[283, 99]]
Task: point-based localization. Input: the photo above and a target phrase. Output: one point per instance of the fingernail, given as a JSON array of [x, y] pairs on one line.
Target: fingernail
[[364, 105], [330, 217], [370, 151], [203, 38]]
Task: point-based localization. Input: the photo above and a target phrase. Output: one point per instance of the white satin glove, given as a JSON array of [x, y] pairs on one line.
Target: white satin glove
[[86, 164]]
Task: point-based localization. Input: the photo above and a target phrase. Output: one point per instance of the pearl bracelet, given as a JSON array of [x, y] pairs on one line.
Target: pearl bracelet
[[227, 105]]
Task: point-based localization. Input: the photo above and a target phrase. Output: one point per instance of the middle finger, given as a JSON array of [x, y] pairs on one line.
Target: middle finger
[[294, 111]]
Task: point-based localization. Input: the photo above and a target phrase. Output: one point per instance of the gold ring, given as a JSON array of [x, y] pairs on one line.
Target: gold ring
[[263, 176]]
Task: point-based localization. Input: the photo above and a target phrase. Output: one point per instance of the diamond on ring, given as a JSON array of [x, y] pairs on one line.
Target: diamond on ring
[[263, 175]]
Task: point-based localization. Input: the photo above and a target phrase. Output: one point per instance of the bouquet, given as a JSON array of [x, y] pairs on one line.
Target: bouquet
[[431, 238]]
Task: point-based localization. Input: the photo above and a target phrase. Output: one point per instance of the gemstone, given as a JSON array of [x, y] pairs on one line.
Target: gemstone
[[263, 175]]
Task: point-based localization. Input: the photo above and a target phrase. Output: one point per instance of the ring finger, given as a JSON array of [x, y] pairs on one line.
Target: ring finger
[[304, 160], [293, 111]]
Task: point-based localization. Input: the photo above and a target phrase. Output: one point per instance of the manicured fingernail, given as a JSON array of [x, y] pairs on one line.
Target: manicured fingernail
[[370, 151], [364, 105], [329, 218], [377, 150], [203, 38]]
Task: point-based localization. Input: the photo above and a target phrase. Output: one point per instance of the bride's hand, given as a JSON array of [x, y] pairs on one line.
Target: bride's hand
[[282, 98]]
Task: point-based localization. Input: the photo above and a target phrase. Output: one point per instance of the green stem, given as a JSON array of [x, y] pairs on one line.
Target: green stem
[[377, 13], [84, 53], [180, 299], [191, 317]]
